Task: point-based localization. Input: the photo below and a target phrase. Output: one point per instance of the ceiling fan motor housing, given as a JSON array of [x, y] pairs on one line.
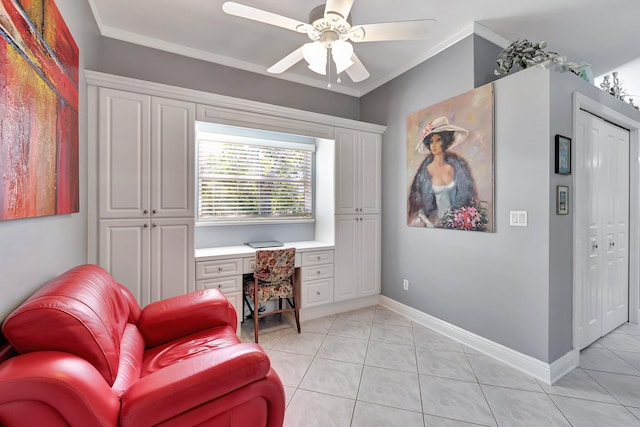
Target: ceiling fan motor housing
[[328, 29]]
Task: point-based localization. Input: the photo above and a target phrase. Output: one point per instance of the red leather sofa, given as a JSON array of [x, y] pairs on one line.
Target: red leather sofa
[[81, 352]]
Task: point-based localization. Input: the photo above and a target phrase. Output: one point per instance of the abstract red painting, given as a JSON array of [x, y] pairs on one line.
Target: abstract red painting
[[38, 111]]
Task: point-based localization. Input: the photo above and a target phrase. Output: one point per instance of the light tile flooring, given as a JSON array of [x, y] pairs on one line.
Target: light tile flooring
[[372, 367]]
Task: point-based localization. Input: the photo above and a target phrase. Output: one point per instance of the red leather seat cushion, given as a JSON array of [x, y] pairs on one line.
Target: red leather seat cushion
[[167, 354]]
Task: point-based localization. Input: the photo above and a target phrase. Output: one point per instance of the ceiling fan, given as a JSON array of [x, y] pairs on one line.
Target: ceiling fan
[[330, 31]]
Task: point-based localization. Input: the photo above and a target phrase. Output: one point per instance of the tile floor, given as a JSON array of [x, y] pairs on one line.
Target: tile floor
[[372, 367]]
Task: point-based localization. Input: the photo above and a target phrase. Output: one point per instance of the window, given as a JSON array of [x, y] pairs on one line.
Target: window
[[247, 180]]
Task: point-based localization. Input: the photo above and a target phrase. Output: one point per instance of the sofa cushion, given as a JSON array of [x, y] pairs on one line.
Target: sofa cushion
[[82, 312]]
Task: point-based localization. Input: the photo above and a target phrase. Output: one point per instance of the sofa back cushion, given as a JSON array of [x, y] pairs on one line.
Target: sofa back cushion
[[82, 312]]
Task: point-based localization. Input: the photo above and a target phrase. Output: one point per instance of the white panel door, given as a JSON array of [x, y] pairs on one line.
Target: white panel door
[[345, 272], [123, 154], [602, 227], [616, 230], [347, 173], [370, 159], [172, 158], [124, 252], [172, 255], [369, 251]]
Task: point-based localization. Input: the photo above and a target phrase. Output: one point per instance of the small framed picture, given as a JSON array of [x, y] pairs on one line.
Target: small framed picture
[[562, 200], [563, 155]]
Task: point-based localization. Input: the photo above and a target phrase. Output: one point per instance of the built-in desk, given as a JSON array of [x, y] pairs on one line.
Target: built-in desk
[[223, 267]]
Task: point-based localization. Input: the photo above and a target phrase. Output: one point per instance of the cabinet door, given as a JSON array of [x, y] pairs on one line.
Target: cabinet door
[[346, 260], [125, 253], [347, 173], [172, 257], [358, 163], [368, 255], [369, 179], [172, 158], [123, 154]]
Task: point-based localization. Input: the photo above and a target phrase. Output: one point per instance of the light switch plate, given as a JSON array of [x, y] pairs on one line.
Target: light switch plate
[[518, 218]]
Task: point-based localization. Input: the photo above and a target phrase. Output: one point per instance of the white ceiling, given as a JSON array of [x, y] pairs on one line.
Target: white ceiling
[[605, 36]]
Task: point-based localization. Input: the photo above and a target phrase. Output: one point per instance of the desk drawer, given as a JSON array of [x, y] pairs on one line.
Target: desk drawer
[[218, 268], [225, 284], [317, 292], [315, 272], [318, 257]]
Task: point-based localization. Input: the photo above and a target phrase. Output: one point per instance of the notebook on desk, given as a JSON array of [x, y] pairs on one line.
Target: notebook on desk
[[265, 244]]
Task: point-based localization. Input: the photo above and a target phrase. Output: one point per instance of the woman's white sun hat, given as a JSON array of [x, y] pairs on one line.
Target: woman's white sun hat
[[440, 124]]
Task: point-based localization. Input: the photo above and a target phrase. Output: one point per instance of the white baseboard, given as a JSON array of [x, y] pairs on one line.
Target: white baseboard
[[309, 313], [547, 373]]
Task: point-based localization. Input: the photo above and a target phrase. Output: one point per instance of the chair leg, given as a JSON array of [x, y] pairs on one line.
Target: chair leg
[[256, 307]]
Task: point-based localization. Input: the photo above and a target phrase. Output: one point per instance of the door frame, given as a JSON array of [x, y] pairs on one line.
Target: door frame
[[582, 102]]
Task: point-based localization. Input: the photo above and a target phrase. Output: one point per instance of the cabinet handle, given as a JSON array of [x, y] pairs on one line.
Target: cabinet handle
[[360, 209], [318, 293], [146, 226], [594, 246], [146, 211], [318, 257], [318, 272], [612, 244], [154, 225], [154, 211], [219, 268]]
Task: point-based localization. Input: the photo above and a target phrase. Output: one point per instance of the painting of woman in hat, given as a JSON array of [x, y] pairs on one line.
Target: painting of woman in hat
[[444, 189], [443, 180]]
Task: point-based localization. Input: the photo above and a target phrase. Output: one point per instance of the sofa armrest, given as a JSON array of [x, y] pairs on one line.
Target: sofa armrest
[[182, 315], [55, 388], [197, 380]]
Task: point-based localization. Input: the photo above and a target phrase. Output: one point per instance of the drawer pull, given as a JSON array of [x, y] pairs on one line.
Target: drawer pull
[[219, 285], [318, 272], [318, 293], [219, 268], [318, 257]]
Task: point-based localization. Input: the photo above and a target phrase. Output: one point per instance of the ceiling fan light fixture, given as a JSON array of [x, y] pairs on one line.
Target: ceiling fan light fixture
[[341, 52], [316, 56]]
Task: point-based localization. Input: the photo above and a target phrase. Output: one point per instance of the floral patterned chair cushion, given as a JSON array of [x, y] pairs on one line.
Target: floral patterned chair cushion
[[273, 271]]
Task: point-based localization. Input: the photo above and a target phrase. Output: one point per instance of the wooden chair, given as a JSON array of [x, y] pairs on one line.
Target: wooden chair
[[273, 279]]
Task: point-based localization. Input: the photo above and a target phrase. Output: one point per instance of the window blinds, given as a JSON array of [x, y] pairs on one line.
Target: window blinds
[[256, 181]]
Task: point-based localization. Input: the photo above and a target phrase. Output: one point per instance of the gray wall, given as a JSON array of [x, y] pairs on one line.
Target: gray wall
[[139, 62], [491, 284], [514, 286], [34, 250]]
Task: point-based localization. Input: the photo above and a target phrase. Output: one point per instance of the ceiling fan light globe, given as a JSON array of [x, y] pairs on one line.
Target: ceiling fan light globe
[[318, 68], [341, 52], [316, 56]]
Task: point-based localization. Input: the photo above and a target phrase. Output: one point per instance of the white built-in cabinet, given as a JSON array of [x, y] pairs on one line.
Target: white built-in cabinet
[[145, 158], [141, 197], [357, 219]]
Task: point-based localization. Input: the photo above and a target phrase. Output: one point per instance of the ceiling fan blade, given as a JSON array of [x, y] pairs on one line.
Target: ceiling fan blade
[[263, 16], [403, 30], [357, 72], [338, 9], [287, 62]]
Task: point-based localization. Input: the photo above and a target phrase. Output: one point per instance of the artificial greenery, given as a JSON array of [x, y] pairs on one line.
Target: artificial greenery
[[525, 54]]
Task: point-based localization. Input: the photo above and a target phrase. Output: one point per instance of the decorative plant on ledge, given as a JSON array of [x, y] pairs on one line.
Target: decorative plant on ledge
[[526, 54]]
